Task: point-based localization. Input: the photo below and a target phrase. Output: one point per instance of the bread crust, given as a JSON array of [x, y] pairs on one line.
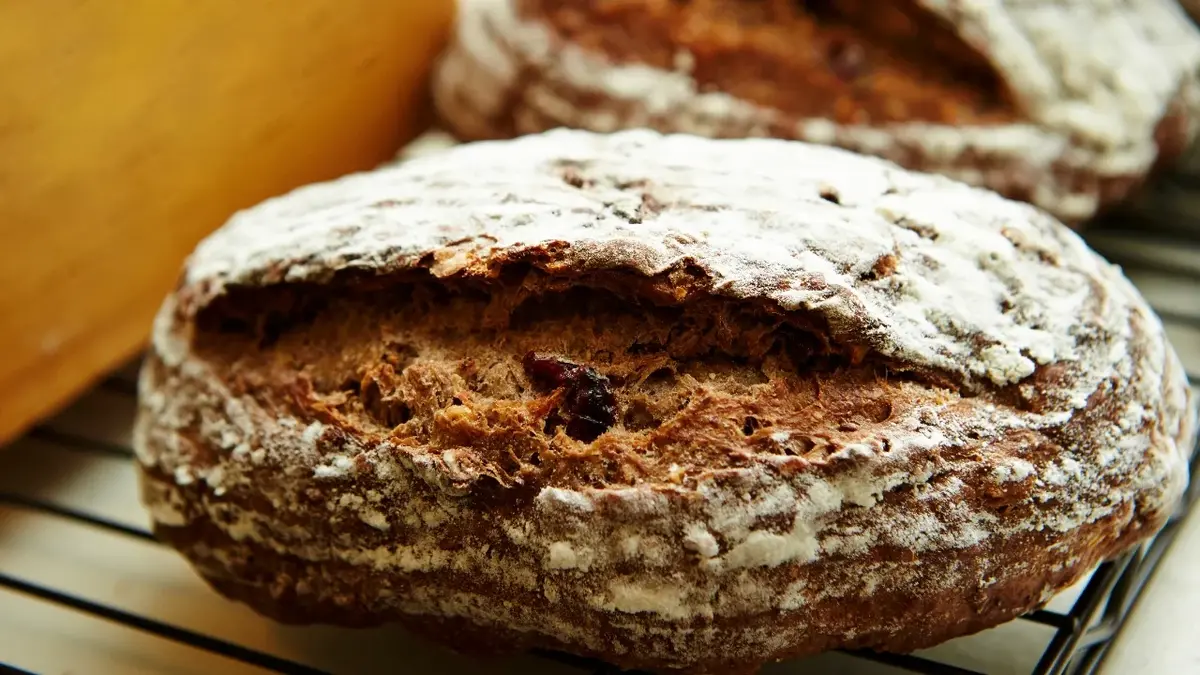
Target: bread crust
[[1044, 426], [1192, 7], [1101, 94]]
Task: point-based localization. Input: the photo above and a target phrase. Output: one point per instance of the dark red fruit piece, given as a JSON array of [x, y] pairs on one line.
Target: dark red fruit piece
[[588, 405], [546, 371]]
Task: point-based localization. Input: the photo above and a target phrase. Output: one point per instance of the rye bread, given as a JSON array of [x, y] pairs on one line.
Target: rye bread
[[1068, 105], [676, 403]]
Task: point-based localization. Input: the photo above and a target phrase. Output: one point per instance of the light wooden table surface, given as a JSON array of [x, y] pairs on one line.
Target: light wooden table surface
[[130, 129]]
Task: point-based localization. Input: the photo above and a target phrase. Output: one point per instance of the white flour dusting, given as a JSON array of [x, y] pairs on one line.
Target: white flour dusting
[[980, 288], [1092, 79]]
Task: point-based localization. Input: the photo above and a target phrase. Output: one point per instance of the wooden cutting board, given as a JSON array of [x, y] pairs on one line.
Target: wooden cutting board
[[129, 130]]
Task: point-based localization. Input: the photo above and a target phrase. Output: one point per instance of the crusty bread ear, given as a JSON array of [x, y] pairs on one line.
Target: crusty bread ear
[[1064, 105]]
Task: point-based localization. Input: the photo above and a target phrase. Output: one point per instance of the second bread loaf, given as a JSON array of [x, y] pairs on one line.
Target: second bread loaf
[[1065, 105]]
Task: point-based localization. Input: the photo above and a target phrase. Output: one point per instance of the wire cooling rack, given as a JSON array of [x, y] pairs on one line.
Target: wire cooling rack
[[87, 448]]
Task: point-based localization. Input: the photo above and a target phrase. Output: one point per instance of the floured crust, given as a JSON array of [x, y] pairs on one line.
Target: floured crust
[[1104, 92], [1039, 421]]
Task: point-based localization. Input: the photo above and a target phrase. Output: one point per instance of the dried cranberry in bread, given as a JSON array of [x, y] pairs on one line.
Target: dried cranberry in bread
[[1064, 104], [673, 402]]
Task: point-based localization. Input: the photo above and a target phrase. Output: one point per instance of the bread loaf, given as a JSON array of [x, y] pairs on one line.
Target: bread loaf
[[672, 402], [1067, 105]]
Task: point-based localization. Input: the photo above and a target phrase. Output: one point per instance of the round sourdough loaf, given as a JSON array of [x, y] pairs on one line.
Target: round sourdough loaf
[[672, 402], [1067, 105]]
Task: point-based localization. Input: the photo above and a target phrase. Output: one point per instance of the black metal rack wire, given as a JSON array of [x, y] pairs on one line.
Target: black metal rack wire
[[1081, 638]]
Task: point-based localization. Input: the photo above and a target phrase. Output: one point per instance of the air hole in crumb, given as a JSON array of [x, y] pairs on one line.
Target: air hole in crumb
[[514, 273], [385, 410], [351, 384], [612, 471], [399, 413], [750, 425], [535, 459], [643, 348], [273, 328], [663, 377], [557, 306], [276, 323], [799, 446], [398, 355], [372, 395], [456, 401], [638, 417], [510, 464], [878, 410]]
